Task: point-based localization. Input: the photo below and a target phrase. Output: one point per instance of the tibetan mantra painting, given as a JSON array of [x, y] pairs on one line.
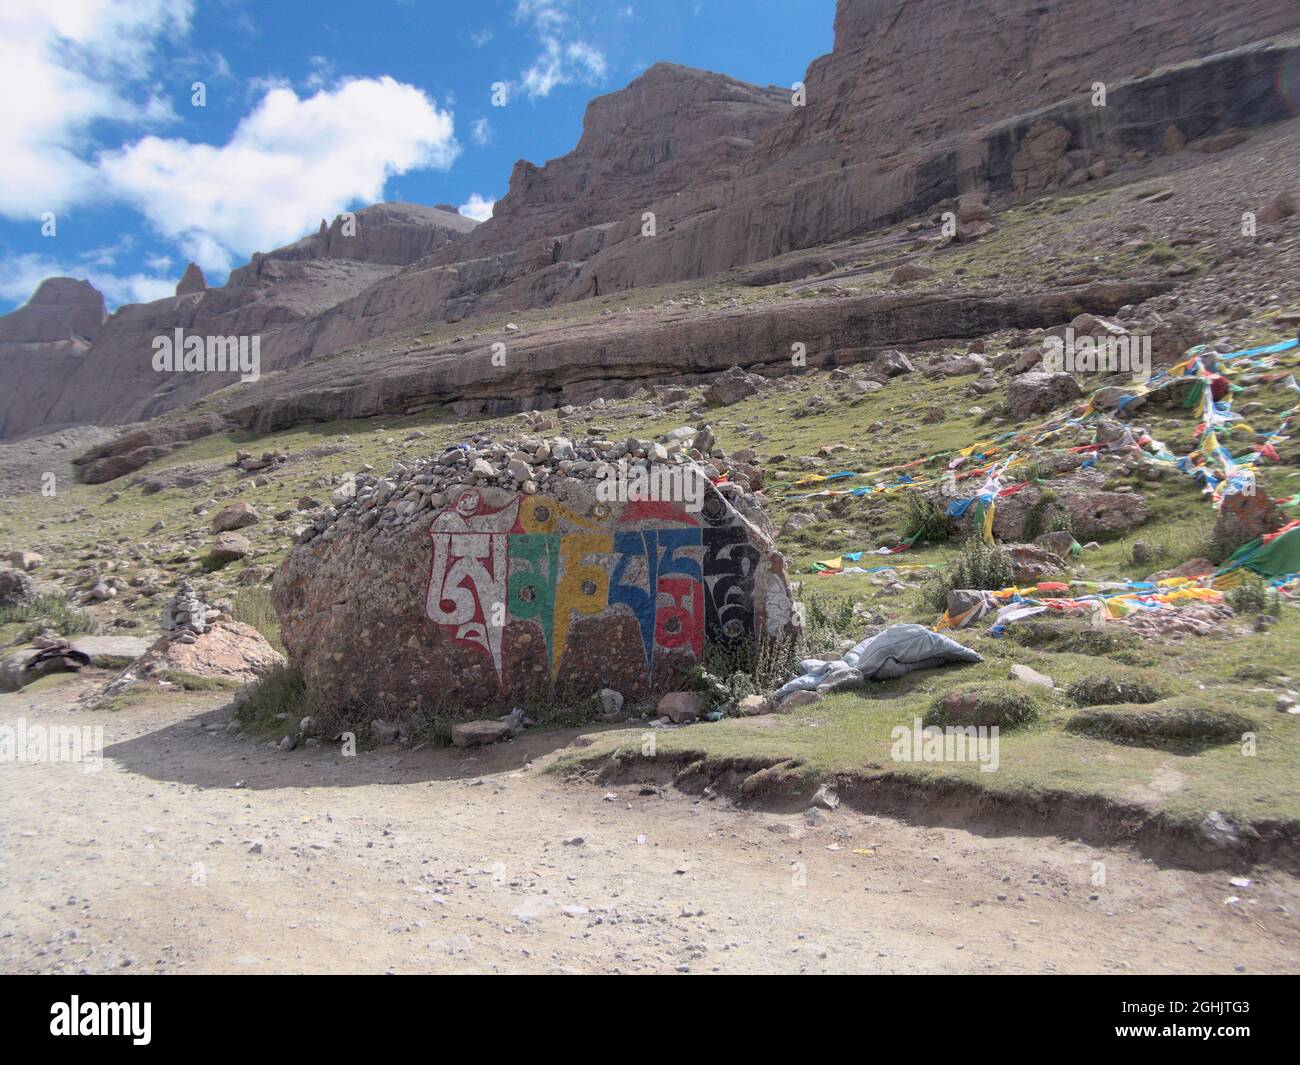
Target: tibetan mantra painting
[[647, 584]]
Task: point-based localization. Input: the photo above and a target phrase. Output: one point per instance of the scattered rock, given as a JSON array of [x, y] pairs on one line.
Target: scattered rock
[[478, 733], [682, 707]]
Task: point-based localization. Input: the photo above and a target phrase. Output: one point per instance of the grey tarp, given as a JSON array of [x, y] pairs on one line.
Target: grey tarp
[[897, 650]]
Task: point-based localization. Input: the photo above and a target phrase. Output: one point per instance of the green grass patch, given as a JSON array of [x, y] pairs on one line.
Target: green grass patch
[[1120, 684], [1007, 705], [47, 612], [1185, 722]]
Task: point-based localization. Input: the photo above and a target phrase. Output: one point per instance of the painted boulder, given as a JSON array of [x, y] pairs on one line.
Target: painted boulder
[[487, 594]]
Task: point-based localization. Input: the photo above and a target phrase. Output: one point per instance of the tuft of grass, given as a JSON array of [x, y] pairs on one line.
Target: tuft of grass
[[279, 700], [192, 683], [978, 565], [252, 606], [1120, 684], [1254, 595], [732, 669], [1072, 636], [1188, 723], [927, 518], [48, 612], [1007, 705]]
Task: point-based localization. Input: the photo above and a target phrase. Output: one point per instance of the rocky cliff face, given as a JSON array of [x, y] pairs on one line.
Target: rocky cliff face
[[904, 74], [43, 343], [279, 296], [920, 101], [671, 129], [61, 310]]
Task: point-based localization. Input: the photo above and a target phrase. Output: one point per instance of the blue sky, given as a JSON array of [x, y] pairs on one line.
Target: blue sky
[[310, 109]]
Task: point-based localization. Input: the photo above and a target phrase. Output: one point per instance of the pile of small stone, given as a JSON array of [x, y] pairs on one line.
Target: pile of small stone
[[186, 617], [527, 463]]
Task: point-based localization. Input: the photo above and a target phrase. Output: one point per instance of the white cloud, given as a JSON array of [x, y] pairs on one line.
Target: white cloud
[[481, 38], [63, 67], [481, 131], [288, 164], [477, 208], [21, 274], [565, 58], [322, 72]]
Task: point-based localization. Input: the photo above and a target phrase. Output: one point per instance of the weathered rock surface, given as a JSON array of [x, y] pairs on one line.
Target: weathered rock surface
[[228, 650], [1093, 511], [1040, 393], [477, 593], [191, 281], [681, 708], [15, 587], [1243, 518], [235, 516], [42, 344], [733, 386], [478, 733], [136, 449]]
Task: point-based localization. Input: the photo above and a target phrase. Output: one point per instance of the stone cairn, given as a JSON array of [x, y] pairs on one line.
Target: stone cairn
[[526, 464], [186, 617]]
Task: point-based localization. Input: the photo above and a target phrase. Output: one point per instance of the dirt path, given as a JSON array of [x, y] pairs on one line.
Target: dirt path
[[196, 851]]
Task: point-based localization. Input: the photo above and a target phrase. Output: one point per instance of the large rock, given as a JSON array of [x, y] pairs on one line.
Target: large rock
[[1040, 393], [129, 452], [229, 650], [733, 386], [491, 594], [681, 708], [1042, 160], [1093, 512], [1171, 338], [230, 547], [1242, 518], [235, 516], [15, 587], [1032, 564]]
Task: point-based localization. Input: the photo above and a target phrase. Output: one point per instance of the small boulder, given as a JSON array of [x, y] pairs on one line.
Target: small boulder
[[15, 588], [909, 272], [1283, 205], [797, 699], [1059, 543], [1040, 392], [478, 733], [732, 386], [682, 707], [1031, 676], [229, 547], [1242, 518], [235, 516]]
